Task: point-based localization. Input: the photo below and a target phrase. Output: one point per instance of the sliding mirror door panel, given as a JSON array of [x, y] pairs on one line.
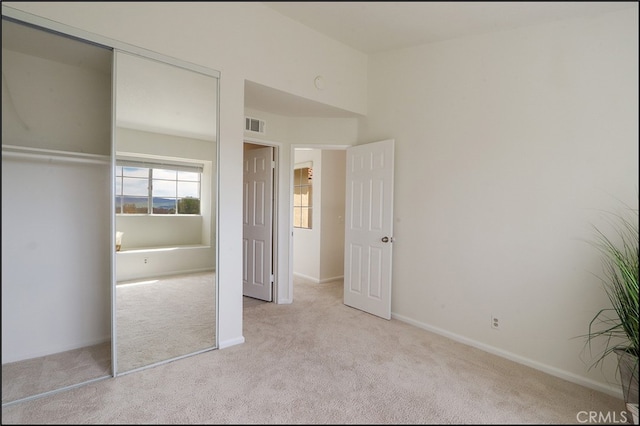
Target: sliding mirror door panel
[[165, 206], [56, 212], [109, 192]]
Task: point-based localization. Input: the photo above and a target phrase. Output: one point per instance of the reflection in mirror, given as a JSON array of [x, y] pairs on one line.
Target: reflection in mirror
[[56, 218], [165, 181]]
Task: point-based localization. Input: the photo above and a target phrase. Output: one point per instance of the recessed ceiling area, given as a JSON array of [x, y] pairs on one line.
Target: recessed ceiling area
[[264, 98], [373, 27]]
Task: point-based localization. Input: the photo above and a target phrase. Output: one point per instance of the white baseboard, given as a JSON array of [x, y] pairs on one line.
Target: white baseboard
[[562, 374], [231, 342], [20, 356], [317, 280], [328, 280], [306, 277]]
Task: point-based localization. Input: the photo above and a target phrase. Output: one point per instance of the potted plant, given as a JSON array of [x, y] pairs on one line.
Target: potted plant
[[617, 325]]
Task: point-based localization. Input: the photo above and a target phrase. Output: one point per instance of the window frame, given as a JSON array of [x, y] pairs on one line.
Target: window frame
[[150, 165], [303, 206]]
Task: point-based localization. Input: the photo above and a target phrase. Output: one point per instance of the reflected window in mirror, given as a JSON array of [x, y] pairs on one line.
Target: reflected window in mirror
[[165, 189]]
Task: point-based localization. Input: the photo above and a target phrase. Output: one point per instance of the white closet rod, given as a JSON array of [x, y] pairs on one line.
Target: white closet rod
[[53, 155]]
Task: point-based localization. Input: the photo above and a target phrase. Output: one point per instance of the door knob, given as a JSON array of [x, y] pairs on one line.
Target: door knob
[[386, 239]]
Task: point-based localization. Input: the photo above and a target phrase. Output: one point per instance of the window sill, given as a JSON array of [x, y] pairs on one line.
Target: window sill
[[161, 248]]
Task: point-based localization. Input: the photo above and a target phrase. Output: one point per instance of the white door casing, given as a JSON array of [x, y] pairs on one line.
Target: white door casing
[[369, 227], [257, 222]]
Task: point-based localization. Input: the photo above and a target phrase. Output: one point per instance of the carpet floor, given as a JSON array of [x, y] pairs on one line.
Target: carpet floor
[[317, 361]]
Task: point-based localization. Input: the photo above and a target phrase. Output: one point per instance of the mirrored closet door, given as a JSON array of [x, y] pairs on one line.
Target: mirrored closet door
[[109, 189], [165, 182], [56, 211]]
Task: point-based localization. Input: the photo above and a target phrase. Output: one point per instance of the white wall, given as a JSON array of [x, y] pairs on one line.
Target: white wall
[[237, 39], [306, 242], [154, 231], [155, 262], [276, 129], [323, 131], [332, 205], [55, 262], [305, 130], [508, 146]]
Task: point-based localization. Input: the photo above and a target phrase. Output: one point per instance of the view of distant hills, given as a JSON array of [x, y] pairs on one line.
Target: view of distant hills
[[160, 205], [142, 201]]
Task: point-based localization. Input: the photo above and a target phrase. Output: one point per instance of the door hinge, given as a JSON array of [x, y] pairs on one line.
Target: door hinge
[[273, 165], [272, 279]]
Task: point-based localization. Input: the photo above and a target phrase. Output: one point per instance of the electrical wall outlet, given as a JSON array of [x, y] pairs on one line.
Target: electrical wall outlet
[[495, 322]]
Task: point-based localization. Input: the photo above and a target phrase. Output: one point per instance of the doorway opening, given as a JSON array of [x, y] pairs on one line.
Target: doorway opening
[[318, 206], [367, 223]]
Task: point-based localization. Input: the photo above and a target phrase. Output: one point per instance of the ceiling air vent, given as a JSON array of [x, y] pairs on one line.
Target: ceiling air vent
[[253, 125]]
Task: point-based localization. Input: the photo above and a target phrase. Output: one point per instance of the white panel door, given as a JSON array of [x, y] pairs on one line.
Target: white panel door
[[369, 227], [257, 223]]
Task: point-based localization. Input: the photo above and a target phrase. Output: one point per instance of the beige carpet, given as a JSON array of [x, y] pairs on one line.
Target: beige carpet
[[23, 379], [157, 319], [318, 361], [164, 318]]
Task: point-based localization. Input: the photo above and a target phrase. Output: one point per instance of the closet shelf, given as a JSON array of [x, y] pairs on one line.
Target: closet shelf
[[53, 155]]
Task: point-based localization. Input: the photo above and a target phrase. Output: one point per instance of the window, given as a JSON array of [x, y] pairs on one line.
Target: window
[[157, 188], [302, 197]]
